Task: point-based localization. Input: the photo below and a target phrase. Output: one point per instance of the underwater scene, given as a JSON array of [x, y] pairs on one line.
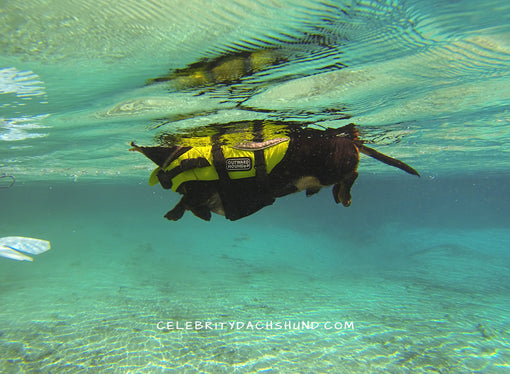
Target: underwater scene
[[255, 186]]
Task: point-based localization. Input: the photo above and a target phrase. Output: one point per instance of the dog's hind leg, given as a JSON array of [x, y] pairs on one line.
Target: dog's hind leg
[[202, 212], [177, 212], [342, 190]]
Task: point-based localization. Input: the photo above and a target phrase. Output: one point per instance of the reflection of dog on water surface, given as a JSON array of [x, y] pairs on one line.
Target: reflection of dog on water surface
[[237, 180]]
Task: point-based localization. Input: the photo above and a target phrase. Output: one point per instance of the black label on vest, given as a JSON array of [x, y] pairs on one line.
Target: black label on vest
[[238, 164]]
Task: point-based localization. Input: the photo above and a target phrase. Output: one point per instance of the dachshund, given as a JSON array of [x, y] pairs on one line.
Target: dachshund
[[219, 180]]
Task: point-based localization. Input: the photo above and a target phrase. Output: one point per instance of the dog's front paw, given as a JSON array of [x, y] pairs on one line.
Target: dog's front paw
[[342, 194], [342, 190]]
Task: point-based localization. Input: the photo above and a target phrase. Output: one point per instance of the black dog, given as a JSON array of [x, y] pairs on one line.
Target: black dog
[[307, 159]]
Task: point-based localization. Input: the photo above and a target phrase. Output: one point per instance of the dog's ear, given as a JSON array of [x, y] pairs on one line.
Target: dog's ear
[[386, 159], [161, 156]]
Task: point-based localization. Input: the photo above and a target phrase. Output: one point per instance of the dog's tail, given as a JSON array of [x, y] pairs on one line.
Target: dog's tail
[[383, 158], [161, 156]]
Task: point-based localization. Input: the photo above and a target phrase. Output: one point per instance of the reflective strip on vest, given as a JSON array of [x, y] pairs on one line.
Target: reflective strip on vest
[[272, 155]]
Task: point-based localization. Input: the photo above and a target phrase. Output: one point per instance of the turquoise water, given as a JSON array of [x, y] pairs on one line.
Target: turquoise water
[[411, 278]]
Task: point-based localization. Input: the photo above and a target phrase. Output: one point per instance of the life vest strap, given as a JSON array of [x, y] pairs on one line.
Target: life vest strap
[[220, 164], [165, 177], [234, 199], [260, 167]]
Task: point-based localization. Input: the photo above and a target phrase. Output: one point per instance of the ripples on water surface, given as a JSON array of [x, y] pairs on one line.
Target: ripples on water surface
[[73, 93]]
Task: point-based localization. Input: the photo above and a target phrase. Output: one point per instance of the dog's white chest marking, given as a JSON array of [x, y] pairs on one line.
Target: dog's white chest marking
[[215, 205], [308, 183]]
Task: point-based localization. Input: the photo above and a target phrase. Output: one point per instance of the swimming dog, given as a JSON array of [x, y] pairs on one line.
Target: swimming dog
[[238, 180]]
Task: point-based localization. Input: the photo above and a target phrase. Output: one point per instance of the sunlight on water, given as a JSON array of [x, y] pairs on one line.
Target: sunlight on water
[[391, 64]]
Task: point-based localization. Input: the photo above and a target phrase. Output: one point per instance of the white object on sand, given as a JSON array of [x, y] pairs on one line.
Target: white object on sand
[[13, 246]]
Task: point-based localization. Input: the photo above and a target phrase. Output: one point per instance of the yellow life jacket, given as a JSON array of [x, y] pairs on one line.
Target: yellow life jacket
[[240, 162]]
